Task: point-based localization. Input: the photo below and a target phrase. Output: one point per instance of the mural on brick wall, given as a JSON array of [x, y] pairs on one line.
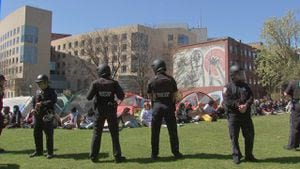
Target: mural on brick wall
[[200, 67]]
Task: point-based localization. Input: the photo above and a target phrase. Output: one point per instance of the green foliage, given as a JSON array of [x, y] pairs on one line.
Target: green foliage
[[278, 61], [204, 145]]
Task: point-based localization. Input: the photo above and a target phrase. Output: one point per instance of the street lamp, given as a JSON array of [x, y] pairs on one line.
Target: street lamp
[[30, 89]]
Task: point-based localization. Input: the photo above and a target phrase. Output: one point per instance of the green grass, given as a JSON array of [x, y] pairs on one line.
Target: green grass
[[204, 145]]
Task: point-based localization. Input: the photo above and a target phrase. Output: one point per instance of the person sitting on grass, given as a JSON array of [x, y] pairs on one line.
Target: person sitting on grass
[[29, 120], [88, 120], [6, 116], [72, 120], [15, 118], [129, 119], [210, 110], [181, 114], [146, 115]]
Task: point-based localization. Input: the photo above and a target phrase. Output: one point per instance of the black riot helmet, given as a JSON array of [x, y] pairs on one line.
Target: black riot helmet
[[103, 70], [42, 78], [237, 73], [159, 65]]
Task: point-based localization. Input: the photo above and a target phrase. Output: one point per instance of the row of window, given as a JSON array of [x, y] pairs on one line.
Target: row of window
[[82, 43], [8, 62], [9, 43], [182, 39], [57, 56], [245, 65], [8, 53], [9, 34], [243, 52], [12, 71]]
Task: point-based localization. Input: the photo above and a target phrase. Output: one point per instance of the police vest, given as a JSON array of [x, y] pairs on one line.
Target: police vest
[[106, 91]]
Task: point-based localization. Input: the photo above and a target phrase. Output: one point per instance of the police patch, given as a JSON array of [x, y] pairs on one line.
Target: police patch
[[104, 94]]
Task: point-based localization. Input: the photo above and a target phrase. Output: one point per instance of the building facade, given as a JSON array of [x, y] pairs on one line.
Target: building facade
[[129, 50], [205, 66], [25, 37]]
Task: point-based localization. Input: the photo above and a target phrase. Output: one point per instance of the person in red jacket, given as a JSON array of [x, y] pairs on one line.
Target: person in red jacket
[[2, 81]]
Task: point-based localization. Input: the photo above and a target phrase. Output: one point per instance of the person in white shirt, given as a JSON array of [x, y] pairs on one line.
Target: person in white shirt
[[146, 115]]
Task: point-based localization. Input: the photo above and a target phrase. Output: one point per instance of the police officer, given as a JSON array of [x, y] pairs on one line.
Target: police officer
[[293, 90], [103, 92], [238, 99], [2, 81], [162, 90], [43, 109]]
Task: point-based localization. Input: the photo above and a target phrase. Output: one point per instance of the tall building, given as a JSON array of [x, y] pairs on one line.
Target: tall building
[[125, 49], [205, 66], [25, 37]]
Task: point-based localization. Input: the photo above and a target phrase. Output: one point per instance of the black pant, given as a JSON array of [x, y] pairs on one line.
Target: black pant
[[109, 113], [161, 111], [294, 138], [39, 127], [244, 122]]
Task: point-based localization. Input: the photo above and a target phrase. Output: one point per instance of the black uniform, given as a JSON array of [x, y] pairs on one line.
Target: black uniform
[[43, 119], [103, 91], [162, 89], [293, 90], [235, 94]]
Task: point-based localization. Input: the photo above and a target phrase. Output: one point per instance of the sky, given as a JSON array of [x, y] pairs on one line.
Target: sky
[[240, 19]]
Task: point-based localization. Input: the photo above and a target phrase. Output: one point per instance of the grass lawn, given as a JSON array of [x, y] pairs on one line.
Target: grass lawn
[[204, 145]]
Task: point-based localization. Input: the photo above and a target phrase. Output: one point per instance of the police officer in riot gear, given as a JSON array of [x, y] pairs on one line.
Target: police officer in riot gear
[[43, 109], [293, 90], [238, 99], [162, 90], [103, 92]]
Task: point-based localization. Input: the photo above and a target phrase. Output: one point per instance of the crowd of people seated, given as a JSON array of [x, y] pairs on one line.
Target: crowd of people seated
[[267, 106], [185, 113]]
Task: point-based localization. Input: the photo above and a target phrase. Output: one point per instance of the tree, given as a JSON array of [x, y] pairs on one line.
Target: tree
[[141, 60], [100, 47], [278, 61]]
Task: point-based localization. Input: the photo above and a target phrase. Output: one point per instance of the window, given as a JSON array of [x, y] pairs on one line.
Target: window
[[124, 36], [124, 47], [170, 37], [70, 45], [20, 69], [230, 49], [76, 43], [182, 39], [98, 39], [82, 43], [124, 58], [28, 54], [123, 69], [114, 58], [81, 52], [115, 37], [106, 38], [114, 48], [58, 47], [64, 46], [29, 34]]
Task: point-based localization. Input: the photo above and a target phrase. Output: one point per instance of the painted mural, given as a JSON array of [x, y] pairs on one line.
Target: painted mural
[[200, 67]]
